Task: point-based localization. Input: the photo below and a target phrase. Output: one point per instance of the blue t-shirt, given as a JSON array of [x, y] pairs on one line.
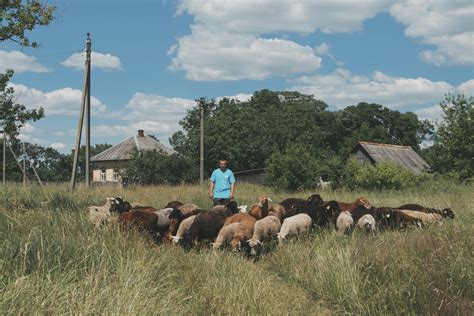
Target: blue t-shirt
[[222, 182]]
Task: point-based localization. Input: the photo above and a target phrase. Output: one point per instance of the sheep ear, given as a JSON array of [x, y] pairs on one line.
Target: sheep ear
[[249, 240], [269, 199]]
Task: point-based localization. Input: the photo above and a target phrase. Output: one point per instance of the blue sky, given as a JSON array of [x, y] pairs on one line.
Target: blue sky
[[153, 58]]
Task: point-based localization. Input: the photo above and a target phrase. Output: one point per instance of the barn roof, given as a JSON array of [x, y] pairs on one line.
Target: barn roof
[[404, 156], [125, 149]]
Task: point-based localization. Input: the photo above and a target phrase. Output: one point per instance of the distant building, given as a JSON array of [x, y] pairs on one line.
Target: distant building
[[404, 156], [107, 165]]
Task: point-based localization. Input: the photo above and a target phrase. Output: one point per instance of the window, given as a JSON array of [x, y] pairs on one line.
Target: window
[[103, 175], [115, 176]]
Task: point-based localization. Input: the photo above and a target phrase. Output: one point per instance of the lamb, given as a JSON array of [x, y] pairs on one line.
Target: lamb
[[344, 223], [367, 223], [299, 224], [183, 229], [225, 235], [265, 229]]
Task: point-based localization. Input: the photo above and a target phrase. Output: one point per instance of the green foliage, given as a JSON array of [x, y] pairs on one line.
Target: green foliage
[[17, 17], [453, 148], [271, 122], [297, 168], [153, 167], [382, 176], [13, 116]]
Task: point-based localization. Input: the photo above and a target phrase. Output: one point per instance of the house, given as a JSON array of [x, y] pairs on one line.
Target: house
[[107, 165], [404, 156]]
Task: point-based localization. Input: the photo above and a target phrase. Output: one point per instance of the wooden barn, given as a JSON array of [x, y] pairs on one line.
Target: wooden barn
[[404, 156], [107, 165]]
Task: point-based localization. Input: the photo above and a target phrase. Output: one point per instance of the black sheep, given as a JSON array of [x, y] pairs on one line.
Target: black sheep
[[295, 206], [207, 224]]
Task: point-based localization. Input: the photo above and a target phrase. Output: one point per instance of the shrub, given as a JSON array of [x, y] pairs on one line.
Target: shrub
[[297, 168], [382, 176], [152, 167]]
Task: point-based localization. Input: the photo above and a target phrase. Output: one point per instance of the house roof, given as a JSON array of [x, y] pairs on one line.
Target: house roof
[[404, 156], [124, 150]]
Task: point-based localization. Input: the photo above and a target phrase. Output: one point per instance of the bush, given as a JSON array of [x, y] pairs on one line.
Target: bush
[[152, 167], [298, 169], [382, 176]]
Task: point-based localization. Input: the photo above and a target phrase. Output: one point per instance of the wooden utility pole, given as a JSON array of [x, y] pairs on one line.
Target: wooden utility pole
[[24, 164], [85, 98], [4, 155], [201, 160], [88, 110]]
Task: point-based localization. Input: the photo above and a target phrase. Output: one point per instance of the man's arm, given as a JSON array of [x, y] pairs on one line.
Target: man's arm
[[232, 188], [211, 191]]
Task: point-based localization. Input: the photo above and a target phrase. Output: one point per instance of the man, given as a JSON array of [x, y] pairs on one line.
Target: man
[[222, 186]]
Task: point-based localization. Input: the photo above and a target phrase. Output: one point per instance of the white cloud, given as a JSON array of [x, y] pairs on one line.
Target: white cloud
[[98, 60], [467, 88], [59, 133], [19, 62], [57, 146], [215, 56], [242, 97], [433, 113], [448, 25], [64, 101], [267, 16], [343, 88], [227, 40]]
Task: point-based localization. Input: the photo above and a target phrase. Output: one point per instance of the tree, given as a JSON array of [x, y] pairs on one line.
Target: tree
[[14, 116], [453, 148], [17, 17], [153, 167]]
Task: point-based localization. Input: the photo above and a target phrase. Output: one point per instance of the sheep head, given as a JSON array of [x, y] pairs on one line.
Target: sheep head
[[362, 201], [447, 212], [316, 199]]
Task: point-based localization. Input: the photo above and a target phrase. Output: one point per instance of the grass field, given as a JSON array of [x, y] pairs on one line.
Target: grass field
[[52, 260]]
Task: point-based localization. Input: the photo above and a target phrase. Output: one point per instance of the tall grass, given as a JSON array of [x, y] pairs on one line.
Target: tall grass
[[52, 260]]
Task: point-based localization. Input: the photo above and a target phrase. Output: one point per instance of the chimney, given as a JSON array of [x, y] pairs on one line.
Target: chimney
[[141, 133]]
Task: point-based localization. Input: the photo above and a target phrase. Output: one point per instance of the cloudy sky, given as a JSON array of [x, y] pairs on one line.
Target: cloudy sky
[[151, 59]]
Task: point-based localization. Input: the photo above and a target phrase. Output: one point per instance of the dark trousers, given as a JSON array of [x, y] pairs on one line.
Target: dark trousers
[[220, 201]]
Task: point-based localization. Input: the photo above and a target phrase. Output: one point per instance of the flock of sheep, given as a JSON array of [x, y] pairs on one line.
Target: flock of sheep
[[242, 229]]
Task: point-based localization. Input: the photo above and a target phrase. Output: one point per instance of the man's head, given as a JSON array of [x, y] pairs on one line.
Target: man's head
[[223, 164]]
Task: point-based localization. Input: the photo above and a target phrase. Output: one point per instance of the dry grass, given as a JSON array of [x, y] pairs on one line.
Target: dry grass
[[53, 261]]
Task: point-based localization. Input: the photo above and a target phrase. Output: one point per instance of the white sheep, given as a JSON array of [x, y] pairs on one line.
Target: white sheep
[[299, 224], [425, 218], [100, 215], [225, 235], [183, 229], [367, 223], [243, 208], [265, 229], [344, 223]]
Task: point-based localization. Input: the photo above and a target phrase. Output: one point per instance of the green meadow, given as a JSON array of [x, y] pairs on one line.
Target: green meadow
[[53, 261]]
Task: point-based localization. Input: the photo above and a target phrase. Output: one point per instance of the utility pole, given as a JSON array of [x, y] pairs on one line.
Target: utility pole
[[85, 98], [4, 155], [201, 160], [88, 110], [24, 164]]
